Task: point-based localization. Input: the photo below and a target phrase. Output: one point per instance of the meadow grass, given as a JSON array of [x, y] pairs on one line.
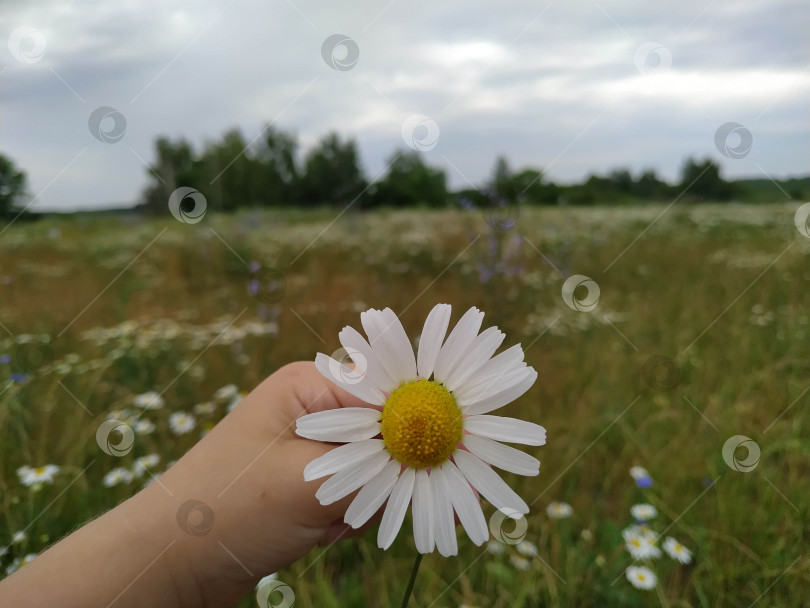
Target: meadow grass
[[700, 333]]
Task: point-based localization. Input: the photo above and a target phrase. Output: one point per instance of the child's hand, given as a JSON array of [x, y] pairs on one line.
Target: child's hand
[[254, 514]]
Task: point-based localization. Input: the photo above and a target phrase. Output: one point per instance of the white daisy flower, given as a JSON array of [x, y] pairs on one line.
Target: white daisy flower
[[235, 400], [641, 577], [149, 400], [116, 476], [18, 537], [205, 409], [640, 545], [144, 463], [437, 439], [527, 548], [226, 393], [495, 547], [143, 427], [34, 478], [643, 512], [559, 510], [3, 551], [20, 562], [677, 551], [182, 423], [119, 414], [521, 563]]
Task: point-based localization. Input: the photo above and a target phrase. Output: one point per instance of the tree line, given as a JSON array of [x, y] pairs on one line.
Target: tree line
[[270, 171]]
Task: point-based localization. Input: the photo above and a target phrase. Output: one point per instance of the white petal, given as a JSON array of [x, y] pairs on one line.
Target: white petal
[[479, 352], [365, 359], [488, 482], [389, 341], [395, 509], [432, 337], [348, 480], [502, 456], [488, 404], [457, 343], [494, 385], [341, 457], [510, 430], [348, 379], [465, 503], [371, 497], [444, 523], [498, 366], [423, 513], [340, 425]]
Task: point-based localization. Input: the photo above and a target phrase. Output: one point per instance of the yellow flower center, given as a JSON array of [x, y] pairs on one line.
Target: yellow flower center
[[421, 424], [40, 471]]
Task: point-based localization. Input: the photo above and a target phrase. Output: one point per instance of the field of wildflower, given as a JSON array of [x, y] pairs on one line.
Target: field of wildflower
[[671, 344]]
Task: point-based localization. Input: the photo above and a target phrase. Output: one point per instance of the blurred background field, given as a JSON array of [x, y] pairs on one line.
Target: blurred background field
[[700, 333]]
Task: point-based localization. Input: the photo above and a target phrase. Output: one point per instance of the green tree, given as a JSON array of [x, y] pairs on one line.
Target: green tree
[[276, 153], [175, 166], [12, 186], [332, 173], [702, 180], [410, 181]]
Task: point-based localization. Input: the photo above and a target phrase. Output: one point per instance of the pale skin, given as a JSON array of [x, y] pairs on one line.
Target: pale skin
[[248, 470]]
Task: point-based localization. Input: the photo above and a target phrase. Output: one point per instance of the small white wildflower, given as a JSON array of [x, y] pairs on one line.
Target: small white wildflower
[[677, 551], [643, 512], [149, 400], [520, 563], [226, 393], [182, 423], [641, 577], [527, 548], [144, 427], [144, 463], [495, 547], [559, 510], [205, 409], [116, 476]]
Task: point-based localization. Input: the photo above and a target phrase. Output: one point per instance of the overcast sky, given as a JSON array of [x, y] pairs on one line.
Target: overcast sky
[[571, 87]]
